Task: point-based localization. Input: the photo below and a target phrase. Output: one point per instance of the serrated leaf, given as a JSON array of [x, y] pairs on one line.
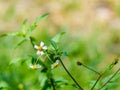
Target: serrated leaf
[[64, 54], [34, 24], [24, 27], [54, 44], [58, 37], [44, 16]]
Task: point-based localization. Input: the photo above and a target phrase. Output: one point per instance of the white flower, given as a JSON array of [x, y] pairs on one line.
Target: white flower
[[35, 67], [40, 48], [54, 65]]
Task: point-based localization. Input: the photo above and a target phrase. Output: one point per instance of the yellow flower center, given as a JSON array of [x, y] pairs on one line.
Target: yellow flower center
[[40, 48], [35, 67], [55, 65]]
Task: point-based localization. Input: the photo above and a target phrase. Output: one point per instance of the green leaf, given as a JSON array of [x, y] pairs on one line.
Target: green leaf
[[32, 38], [113, 79], [12, 34], [34, 24], [3, 85], [110, 66], [3, 35], [15, 61], [64, 54], [116, 77], [44, 83], [19, 61], [44, 16], [24, 27], [20, 42], [54, 44], [58, 37], [92, 82], [61, 80]]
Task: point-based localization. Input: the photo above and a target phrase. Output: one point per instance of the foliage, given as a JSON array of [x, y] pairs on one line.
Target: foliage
[[35, 67]]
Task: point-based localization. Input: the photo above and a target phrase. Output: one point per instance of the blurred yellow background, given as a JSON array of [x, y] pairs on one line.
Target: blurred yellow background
[[86, 18]]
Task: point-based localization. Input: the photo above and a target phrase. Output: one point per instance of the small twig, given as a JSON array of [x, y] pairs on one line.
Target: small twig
[[91, 69], [109, 79], [71, 75], [81, 64], [52, 83]]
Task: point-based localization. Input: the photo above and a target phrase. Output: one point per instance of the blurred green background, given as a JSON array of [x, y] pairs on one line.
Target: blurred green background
[[92, 36]]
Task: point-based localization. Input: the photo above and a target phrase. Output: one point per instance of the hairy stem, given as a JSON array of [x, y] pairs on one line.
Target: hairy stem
[[71, 75]]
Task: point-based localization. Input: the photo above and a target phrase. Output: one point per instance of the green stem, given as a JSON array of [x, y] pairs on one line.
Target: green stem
[[109, 79], [96, 82], [91, 69], [81, 64], [71, 75], [52, 83]]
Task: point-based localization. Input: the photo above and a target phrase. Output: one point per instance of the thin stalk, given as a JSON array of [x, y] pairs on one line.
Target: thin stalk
[[81, 64], [91, 69], [71, 75], [109, 79], [96, 82]]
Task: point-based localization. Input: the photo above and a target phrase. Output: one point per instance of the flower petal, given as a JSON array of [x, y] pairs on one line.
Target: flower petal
[[41, 43], [38, 66], [36, 47], [31, 66], [57, 61], [41, 52], [45, 47], [38, 53], [52, 66]]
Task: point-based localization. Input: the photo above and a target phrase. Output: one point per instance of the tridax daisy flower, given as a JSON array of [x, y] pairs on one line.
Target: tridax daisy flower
[[35, 67], [54, 65], [40, 48]]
